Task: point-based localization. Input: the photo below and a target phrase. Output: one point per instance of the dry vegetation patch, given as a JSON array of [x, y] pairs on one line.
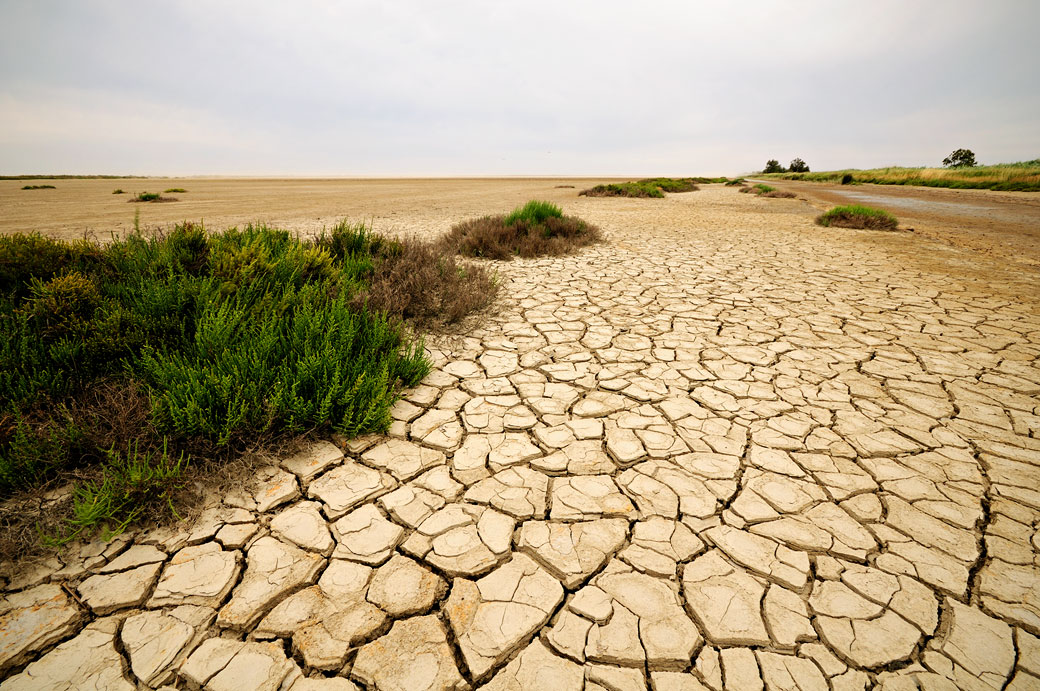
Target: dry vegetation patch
[[533, 230], [429, 287], [647, 188], [761, 190]]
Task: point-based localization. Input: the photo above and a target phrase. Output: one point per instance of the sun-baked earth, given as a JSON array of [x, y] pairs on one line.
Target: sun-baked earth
[[725, 449]]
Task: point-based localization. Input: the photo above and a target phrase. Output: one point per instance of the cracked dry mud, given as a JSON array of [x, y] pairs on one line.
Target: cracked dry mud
[[726, 451]]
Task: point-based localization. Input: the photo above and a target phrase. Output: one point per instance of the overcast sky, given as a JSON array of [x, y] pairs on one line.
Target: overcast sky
[[403, 87]]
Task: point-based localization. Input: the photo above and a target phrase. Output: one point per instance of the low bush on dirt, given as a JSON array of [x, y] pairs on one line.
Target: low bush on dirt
[[623, 189], [768, 191], [175, 190], [121, 362], [647, 188], [734, 182], [857, 216], [118, 191], [152, 197], [39, 187], [421, 282], [674, 184], [533, 230]]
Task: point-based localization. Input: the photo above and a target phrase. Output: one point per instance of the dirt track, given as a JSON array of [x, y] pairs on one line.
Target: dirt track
[[1002, 225]]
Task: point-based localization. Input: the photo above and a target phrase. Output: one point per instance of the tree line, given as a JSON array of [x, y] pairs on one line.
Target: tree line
[[961, 158]]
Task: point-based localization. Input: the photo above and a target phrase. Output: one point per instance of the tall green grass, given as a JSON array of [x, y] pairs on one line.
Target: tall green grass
[[1012, 177], [535, 212], [232, 337]]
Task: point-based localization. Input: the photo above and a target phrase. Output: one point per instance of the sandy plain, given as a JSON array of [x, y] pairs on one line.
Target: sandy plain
[[724, 449], [304, 205]]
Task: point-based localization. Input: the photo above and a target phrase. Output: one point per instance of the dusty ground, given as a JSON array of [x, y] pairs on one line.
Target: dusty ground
[[726, 449], [79, 206]]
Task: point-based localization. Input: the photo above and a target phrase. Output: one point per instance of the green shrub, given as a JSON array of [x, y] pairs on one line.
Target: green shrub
[[857, 216], [735, 182], [232, 336], [175, 190], [23, 257], [38, 187], [147, 197], [117, 359], [31, 450], [118, 191]]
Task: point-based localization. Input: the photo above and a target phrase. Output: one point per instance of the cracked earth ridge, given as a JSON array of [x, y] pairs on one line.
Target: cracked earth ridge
[[705, 464]]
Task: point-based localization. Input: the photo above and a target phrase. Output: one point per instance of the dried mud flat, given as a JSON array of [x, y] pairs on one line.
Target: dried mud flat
[[726, 449]]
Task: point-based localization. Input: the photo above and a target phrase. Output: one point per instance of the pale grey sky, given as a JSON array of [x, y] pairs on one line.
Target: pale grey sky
[[600, 87]]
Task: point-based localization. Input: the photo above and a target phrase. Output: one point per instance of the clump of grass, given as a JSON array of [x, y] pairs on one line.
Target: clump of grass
[[535, 229], [154, 197], [533, 212], [761, 190], [1009, 177], [175, 190], [647, 188], [858, 216], [735, 181], [120, 361], [132, 484], [118, 191], [39, 187]]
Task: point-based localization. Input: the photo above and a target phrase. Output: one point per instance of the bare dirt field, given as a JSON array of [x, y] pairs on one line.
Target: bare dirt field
[[304, 205], [724, 449]]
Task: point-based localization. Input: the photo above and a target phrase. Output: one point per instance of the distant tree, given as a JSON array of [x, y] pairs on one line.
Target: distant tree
[[961, 158], [773, 166], [797, 166]]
